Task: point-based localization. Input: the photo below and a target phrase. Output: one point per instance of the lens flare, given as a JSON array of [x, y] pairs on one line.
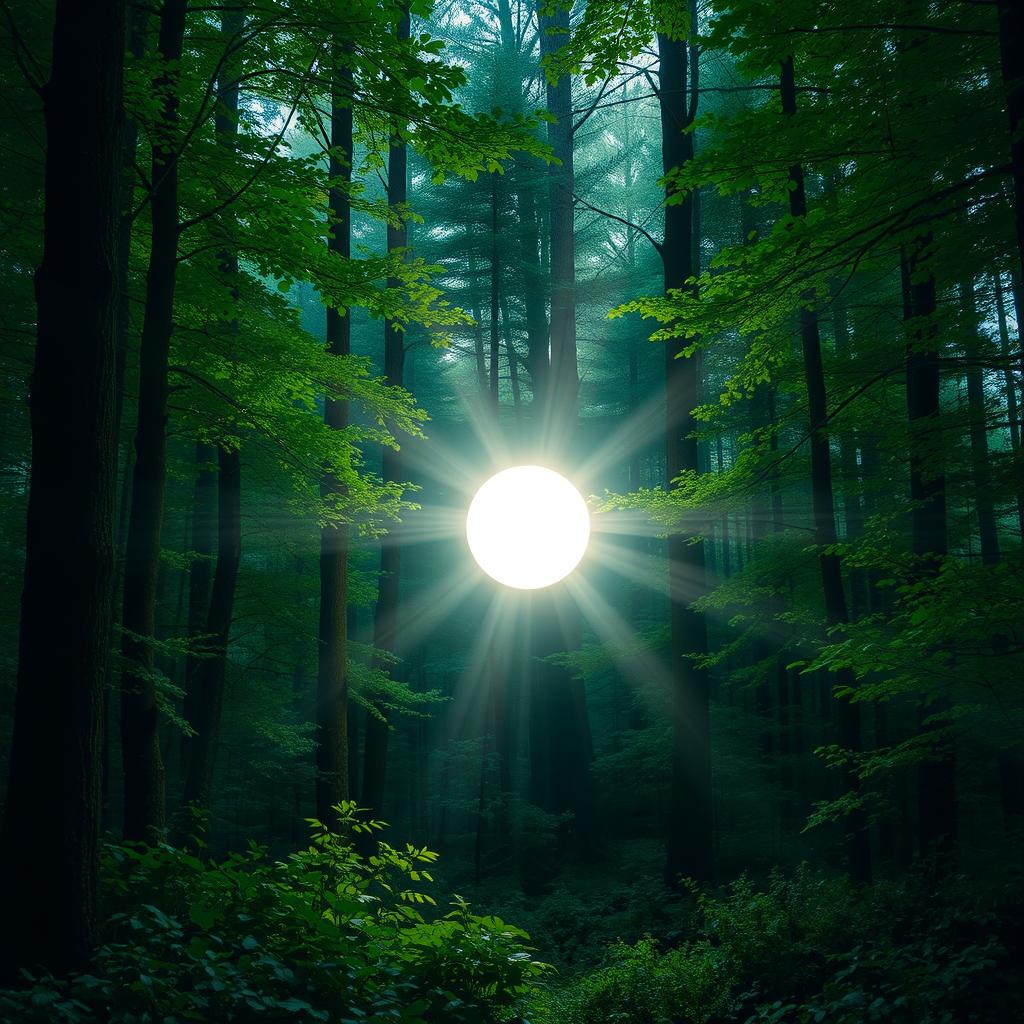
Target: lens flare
[[528, 527]]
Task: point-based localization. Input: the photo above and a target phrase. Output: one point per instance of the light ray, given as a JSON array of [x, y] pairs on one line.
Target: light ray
[[481, 418], [422, 613], [645, 569], [643, 425], [632, 657], [489, 656], [625, 522], [426, 525]]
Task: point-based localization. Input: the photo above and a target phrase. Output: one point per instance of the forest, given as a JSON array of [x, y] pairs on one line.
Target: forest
[[512, 511]]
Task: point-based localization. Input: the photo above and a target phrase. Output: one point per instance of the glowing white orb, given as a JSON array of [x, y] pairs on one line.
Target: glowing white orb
[[528, 527]]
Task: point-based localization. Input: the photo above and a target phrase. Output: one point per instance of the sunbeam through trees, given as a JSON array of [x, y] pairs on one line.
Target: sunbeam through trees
[[512, 511]]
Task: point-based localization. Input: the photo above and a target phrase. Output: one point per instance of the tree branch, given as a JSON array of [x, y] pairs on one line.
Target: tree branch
[[658, 246]]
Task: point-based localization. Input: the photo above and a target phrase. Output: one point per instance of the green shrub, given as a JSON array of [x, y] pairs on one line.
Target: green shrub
[[814, 950], [325, 936], [641, 985]]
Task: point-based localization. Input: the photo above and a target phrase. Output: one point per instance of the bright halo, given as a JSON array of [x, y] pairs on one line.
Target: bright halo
[[528, 527]]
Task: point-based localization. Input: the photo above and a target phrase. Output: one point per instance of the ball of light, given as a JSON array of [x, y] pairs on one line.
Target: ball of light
[[528, 527]]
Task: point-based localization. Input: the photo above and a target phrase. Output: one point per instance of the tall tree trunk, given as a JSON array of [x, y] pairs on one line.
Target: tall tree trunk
[[332, 784], [478, 331], [1010, 762], [1011, 31], [213, 668], [512, 355], [140, 745], [49, 845], [858, 847], [981, 469], [850, 473], [208, 695], [385, 614], [138, 18], [560, 742], [1012, 405], [495, 294], [936, 779], [690, 847], [560, 411], [538, 362], [521, 186], [200, 575]]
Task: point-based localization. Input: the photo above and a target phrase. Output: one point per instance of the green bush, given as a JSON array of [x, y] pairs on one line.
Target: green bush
[[327, 935], [814, 950]]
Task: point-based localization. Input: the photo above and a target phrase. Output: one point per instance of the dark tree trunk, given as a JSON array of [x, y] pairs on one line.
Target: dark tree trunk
[[538, 363], [513, 357], [633, 403], [478, 331], [1011, 31], [981, 469], [49, 847], [765, 514], [385, 614], [138, 17], [137, 20], [213, 668], [208, 691], [521, 186], [850, 474], [723, 563], [495, 294], [1012, 405], [140, 745], [332, 785], [858, 846], [936, 779], [690, 848], [560, 747], [560, 407], [200, 574]]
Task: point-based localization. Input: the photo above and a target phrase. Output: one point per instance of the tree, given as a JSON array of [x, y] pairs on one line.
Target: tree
[[332, 676], [822, 501], [385, 615], [140, 744], [49, 847], [689, 851], [209, 676]]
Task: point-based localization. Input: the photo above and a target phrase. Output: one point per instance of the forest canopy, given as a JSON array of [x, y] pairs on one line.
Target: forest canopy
[[284, 282]]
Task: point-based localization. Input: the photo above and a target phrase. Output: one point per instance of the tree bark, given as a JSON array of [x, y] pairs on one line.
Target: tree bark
[[936, 778], [138, 18], [332, 785], [522, 188], [513, 357], [213, 668], [140, 745], [49, 846], [478, 330], [208, 696], [1012, 405], [538, 361], [200, 574], [385, 613], [495, 295], [1011, 31], [981, 469], [858, 847], [560, 405], [690, 844], [560, 744]]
